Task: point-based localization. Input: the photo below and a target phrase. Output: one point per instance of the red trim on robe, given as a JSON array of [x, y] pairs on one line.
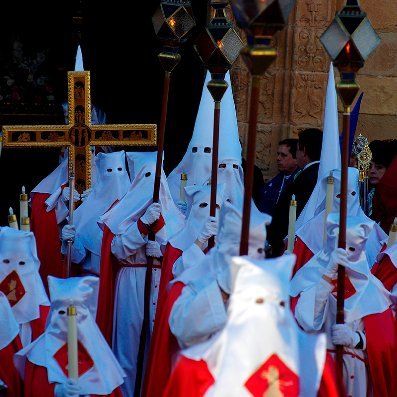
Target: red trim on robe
[[303, 254], [155, 227], [45, 228], [380, 330], [329, 385], [109, 268], [171, 254], [386, 272], [36, 383], [8, 373], [163, 348], [38, 325], [190, 378]]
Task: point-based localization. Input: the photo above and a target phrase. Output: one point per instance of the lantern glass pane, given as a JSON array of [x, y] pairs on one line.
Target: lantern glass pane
[[365, 38], [334, 39], [231, 45], [183, 22]]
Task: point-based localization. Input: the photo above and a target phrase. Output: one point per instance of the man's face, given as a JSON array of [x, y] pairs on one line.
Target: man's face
[[285, 162], [376, 172]]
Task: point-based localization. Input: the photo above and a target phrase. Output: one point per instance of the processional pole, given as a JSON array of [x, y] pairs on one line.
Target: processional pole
[[218, 47], [77, 27], [172, 22], [260, 19], [70, 222], [349, 40]]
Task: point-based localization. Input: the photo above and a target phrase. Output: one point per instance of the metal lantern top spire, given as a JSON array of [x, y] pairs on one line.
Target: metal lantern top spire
[[219, 44], [173, 21], [350, 38]]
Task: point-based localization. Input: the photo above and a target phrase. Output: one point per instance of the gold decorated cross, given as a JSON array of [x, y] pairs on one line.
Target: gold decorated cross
[[79, 134]]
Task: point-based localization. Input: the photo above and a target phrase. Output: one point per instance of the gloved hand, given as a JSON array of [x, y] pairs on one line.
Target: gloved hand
[[182, 205], [68, 233], [209, 229], [337, 257], [152, 214], [85, 194], [68, 389], [153, 249], [66, 194], [341, 334]]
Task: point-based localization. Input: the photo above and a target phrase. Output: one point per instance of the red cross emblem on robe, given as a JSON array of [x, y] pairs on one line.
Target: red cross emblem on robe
[[12, 288], [349, 288], [84, 360], [273, 379]]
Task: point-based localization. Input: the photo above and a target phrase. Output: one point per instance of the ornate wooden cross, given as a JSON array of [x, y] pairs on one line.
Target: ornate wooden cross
[[79, 134]]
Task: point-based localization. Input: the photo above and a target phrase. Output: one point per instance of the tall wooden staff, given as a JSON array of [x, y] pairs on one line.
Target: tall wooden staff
[[218, 47], [70, 222], [349, 40], [172, 22], [260, 20]]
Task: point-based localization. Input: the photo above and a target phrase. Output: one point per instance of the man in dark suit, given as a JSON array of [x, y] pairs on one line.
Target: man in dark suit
[[288, 167], [308, 159]]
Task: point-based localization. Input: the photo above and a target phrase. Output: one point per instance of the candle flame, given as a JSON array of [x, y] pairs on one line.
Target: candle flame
[[11, 211], [220, 44], [172, 23], [348, 48], [23, 189]]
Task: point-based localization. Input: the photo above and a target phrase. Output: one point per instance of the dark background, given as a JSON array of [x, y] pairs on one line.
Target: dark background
[[120, 50]]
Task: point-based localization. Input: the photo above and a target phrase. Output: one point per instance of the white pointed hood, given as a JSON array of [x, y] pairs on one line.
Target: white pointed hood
[[52, 183], [330, 152], [98, 116], [112, 184], [227, 244], [258, 310], [140, 196], [99, 371], [198, 211], [9, 328], [366, 294], [197, 160], [311, 233], [20, 280], [79, 66]]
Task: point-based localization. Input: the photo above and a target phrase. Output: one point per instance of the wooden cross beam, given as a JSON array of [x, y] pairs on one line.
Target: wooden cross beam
[[79, 134]]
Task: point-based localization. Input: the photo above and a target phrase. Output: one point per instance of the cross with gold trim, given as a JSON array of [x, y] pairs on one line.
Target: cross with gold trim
[[79, 134]]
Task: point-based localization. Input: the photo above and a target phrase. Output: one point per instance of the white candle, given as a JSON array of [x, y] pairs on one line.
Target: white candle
[[23, 205], [12, 219], [72, 343], [25, 224], [291, 224], [182, 197], [329, 199], [393, 233]]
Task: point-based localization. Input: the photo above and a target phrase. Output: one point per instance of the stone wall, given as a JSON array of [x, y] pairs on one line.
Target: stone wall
[[293, 88]]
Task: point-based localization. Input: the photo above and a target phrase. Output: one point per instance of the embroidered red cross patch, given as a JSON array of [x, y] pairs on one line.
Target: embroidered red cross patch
[[273, 379]]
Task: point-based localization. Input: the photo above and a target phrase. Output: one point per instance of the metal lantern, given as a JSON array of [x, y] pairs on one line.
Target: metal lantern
[[260, 19], [262, 16], [219, 44], [350, 38], [349, 41], [173, 20]]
